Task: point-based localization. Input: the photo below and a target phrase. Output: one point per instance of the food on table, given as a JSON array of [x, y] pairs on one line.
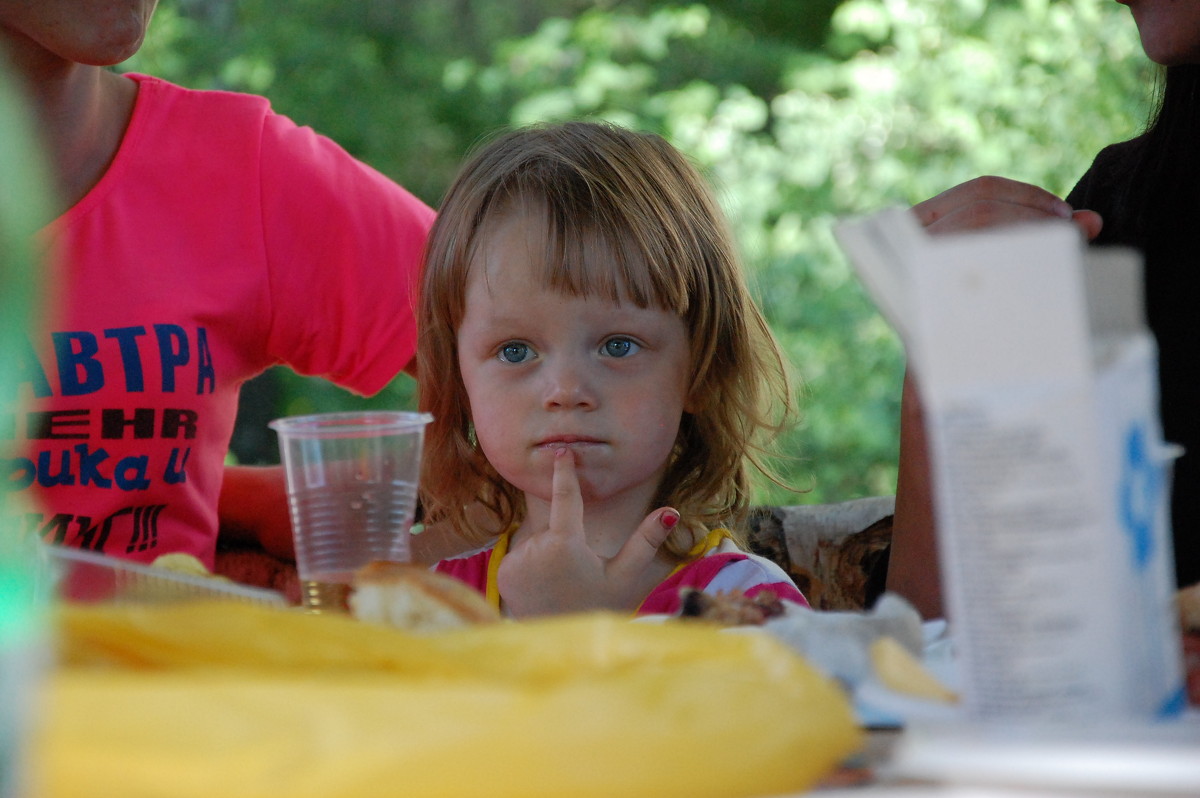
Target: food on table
[[899, 670], [730, 608], [839, 642], [851, 646], [412, 597], [181, 563]]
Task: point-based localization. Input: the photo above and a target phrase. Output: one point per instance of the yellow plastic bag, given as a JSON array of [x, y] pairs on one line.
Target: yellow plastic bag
[[226, 701]]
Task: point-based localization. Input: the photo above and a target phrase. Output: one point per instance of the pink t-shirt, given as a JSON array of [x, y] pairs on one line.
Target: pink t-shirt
[[223, 239]]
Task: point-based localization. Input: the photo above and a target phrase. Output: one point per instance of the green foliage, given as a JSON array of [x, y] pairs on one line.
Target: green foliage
[[908, 99], [25, 206], [799, 119]]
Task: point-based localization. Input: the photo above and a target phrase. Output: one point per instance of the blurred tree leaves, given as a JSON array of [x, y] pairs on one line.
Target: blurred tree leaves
[[800, 112]]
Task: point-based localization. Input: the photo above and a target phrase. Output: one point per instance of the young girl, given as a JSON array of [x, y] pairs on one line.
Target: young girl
[[598, 375]]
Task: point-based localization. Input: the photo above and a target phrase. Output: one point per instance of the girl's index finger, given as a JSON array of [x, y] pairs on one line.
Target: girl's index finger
[[566, 498]]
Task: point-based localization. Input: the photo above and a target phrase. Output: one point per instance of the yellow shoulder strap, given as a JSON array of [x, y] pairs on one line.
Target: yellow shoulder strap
[[492, 593], [710, 542]]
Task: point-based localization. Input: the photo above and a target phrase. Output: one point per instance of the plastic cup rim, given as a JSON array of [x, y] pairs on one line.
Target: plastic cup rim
[[332, 425]]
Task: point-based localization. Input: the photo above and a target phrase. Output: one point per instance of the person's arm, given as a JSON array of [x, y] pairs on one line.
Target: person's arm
[[253, 508], [913, 566], [1191, 659]]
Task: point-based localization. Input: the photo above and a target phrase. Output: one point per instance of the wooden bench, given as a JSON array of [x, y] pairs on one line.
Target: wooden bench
[[836, 553]]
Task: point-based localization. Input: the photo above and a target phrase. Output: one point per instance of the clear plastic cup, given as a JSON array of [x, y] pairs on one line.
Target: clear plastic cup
[[352, 491]]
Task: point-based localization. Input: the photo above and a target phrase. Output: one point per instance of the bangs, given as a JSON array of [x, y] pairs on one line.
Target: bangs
[[609, 213], [592, 252]]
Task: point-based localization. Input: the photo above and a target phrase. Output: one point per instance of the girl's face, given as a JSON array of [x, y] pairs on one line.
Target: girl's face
[[545, 370], [1170, 29]]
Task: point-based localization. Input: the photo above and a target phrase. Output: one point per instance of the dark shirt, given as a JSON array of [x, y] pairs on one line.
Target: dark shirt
[[1170, 248]]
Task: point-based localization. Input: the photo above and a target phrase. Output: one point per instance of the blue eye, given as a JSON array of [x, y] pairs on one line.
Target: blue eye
[[514, 352], [620, 347]]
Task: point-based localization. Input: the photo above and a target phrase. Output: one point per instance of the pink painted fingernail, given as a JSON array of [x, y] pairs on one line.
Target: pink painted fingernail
[[669, 519]]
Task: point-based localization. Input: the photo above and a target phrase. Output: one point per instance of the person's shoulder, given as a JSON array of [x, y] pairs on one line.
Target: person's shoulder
[[1109, 173], [732, 553], [208, 135], [214, 106], [470, 567], [483, 551], [1116, 161], [249, 133], [1122, 154]]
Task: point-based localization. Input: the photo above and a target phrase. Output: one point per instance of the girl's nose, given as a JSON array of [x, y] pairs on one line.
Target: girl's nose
[[568, 387]]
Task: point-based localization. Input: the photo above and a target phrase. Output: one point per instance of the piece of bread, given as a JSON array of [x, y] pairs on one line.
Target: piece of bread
[[413, 598], [180, 563]]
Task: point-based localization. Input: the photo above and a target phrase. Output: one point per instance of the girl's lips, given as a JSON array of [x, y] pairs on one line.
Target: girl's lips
[[567, 441]]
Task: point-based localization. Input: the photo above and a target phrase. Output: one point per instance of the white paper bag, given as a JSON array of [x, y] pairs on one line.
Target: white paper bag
[[1051, 481]]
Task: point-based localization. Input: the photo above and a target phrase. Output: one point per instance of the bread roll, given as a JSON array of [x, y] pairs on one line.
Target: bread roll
[[413, 598], [181, 563]]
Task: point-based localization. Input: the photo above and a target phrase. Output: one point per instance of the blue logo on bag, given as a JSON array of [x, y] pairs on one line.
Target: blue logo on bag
[[1141, 485]]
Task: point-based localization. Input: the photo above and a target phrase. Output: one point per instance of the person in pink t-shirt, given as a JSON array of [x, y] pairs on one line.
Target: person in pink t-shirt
[[606, 380], [200, 239]]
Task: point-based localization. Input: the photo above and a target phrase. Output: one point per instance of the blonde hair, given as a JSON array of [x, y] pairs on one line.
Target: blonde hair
[[627, 218]]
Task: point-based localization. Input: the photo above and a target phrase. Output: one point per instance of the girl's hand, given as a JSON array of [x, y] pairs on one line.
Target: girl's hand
[[994, 201], [555, 571]]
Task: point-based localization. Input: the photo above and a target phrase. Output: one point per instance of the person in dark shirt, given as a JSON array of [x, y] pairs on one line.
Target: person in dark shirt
[[1143, 193]]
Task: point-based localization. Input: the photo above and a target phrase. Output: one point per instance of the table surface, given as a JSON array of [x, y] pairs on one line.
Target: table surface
[[1155, 761]]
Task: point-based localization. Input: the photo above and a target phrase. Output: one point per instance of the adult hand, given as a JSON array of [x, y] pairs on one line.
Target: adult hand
[[555, 571], [993, 201]]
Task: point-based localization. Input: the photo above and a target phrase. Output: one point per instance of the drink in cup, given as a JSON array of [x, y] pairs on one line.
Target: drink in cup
[[352, 490]]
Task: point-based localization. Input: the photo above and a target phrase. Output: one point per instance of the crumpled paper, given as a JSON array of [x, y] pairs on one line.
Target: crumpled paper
[[839, 643]]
